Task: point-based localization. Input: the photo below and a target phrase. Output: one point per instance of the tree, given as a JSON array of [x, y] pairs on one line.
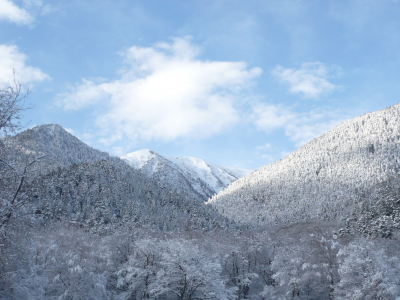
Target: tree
[[63, 263], [172, 269], [12, 105], [13, 169], [240, 273], [188, 273], [140, 269], [367, 272], [304, 268]]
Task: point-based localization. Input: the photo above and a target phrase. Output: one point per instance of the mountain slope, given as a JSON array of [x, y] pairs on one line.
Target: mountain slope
[[205, 178], [323, 178], [91, 188], [105, 196], [60, 147]]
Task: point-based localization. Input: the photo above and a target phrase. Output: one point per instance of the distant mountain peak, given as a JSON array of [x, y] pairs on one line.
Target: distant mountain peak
[[205, 178], [138, 158], [61, 147], [49, 128]]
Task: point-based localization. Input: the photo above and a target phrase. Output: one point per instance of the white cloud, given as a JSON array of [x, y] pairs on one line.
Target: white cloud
[[11, 58], [264, 152], [69, 130], [46, 9], [165, 92], [311, 79], [38, 8], [11, 12], [36, 3], [299, 127], [83, 95], [302, 133], [269, 117]]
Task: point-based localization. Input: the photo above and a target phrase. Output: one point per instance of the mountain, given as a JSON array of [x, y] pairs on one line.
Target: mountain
[[77, 183], [205, 178], [60, 147], [105, 196], [323, 179]]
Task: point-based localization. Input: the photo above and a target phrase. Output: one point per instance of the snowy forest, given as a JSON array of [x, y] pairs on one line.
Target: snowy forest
[[324, 178], [78, 223]]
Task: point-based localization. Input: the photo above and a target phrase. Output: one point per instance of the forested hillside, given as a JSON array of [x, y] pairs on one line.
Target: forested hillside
[[60, 147], [105, 196], [74, 182], [322, 179]]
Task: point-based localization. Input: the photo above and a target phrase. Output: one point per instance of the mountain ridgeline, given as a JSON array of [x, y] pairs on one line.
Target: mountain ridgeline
[[96, 190], [324, 179], [205, 178], [60, 147]]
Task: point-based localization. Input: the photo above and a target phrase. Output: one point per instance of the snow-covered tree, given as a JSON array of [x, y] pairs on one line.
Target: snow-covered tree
[[240, 271], [171, 269], [139, 272], [188, 273], [321, 180], [64, 263], [304, 266], [367, 272], [13, 170]]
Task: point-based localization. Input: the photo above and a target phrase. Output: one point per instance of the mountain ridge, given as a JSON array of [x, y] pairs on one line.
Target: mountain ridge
[[92, 188], [60, 147], [323, 178], [206, 178]]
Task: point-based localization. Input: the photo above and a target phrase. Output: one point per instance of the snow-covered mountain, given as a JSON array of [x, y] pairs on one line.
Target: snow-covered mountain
[[324, 178], [76, 182], [106, 196], [205, 178], [60, 147]]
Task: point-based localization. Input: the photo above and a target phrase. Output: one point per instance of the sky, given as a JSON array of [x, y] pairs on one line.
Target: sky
[[236, 83]]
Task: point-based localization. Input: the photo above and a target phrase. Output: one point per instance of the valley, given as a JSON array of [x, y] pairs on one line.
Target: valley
[[79, 223]]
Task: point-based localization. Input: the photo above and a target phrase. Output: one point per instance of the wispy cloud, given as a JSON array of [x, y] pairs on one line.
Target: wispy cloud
[[269, 116], [264, 147], [165, 92], [311, 79], [299, 127], [12, 13], [85, 94], [38, 7], [11, 58]]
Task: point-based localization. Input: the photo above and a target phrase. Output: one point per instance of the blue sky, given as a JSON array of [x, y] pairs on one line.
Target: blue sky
[[237, 83]]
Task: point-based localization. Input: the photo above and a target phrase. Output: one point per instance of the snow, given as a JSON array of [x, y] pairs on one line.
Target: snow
[[217, 177], [322, 179], [138, 159], [205, 177]]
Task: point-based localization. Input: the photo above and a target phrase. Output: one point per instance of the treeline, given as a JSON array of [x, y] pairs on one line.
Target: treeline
[[60, 147]]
